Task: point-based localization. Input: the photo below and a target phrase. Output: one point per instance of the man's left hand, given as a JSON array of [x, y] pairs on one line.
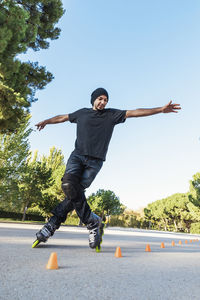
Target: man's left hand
[[171, 107]]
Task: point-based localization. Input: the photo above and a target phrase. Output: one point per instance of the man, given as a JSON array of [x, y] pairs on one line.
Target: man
[[94, 130]]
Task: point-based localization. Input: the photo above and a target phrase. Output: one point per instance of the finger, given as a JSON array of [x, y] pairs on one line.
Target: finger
[[38, 125], [176, 107], [41, 127], [174, 110]]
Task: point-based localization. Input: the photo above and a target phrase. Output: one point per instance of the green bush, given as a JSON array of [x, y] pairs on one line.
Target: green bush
[[195, 228], [125, 221], [35, 211], [115, 221], [72, 220], [18, 216]]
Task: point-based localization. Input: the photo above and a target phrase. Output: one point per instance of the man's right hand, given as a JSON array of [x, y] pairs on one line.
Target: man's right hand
[[54, 120], [41, 125]]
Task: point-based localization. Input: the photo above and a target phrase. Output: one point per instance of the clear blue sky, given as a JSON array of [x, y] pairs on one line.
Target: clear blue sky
[[144, 53]]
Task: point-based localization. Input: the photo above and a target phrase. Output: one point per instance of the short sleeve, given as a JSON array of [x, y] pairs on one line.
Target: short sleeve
[[119, 116], [75, 115]]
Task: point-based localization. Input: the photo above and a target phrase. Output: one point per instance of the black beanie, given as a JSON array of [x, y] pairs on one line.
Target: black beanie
[[98, 92]]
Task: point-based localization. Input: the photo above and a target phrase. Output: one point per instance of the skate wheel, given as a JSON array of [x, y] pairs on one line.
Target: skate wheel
[[35, 243], [98, 248]]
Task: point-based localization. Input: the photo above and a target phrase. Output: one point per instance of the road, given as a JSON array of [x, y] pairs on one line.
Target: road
[[169, 273]]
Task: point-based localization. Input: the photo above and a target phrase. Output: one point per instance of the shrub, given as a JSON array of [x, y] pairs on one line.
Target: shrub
[[195, 228], [115, 221], [18, 216]]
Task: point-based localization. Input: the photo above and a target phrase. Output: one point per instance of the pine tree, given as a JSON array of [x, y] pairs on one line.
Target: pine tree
[[24, 24]]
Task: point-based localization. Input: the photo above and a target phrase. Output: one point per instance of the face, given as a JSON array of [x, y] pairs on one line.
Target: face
[[100, 102]]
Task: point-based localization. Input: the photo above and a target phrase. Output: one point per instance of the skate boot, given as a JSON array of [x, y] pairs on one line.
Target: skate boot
[[101, 229], [96, 230], [47, 230]]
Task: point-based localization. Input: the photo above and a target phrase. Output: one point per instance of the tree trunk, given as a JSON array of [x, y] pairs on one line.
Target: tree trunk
[[103, 217], [175, 225], [25, 209], [165, 222]]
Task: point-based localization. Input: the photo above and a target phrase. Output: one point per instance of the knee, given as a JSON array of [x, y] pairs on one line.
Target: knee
[[70, 186]]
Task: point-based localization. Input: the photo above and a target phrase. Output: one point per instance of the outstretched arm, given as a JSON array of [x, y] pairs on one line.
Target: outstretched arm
[[54, 120], [143, 112]]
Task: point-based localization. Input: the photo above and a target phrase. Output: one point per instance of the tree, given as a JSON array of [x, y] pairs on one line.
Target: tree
[[26, 180], [174, 212], [38, 185], [11, 104], [105, 203], [14, 150], [24, 25], [194, 193], [194, 197], [55, 162], [53, 194], [156, 214], [33, 183]]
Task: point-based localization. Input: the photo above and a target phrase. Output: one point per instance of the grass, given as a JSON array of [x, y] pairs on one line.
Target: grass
[[6, 220], [70, 222]]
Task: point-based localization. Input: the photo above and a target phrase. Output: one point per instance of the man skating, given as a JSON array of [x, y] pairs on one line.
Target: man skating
[[94, 130]]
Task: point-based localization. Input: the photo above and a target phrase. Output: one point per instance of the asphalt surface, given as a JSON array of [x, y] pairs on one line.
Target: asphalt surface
[[169, 273]]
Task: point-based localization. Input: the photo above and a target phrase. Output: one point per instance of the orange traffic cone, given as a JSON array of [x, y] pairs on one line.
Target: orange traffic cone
[[148, 248], [180, 243], [186, 241], [162, 245], [173, 243], [118, 252], [52, 262]]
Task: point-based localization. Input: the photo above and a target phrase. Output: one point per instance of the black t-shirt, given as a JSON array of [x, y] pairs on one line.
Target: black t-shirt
[[94, 129]]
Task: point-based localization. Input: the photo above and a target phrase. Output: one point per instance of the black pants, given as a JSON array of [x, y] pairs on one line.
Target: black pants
[[85, 169]]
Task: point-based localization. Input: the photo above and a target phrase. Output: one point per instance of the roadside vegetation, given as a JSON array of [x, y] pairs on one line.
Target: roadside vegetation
[[30, 184]]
